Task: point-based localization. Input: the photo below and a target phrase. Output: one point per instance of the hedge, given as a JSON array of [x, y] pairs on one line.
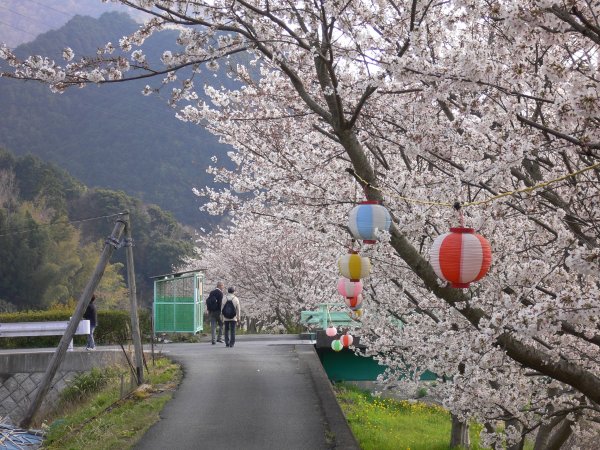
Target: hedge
[[113, 328]]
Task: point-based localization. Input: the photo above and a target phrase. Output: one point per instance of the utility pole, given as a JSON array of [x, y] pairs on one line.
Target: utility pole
[[135, 323], [84, 300]]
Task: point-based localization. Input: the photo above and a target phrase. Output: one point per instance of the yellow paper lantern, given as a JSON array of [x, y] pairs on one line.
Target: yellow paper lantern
[[353, 266]]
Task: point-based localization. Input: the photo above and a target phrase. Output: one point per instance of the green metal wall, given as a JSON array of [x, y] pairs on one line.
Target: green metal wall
[[178, 305], [348, 366]]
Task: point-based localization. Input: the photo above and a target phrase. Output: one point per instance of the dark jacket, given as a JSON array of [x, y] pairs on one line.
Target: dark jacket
[[219, 296], [91, 314]]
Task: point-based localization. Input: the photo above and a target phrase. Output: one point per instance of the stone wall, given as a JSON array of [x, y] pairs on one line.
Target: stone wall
[[21, 374]]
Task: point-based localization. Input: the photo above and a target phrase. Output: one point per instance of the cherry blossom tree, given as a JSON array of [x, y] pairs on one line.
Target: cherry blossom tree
[[417, 104], [277, 269]]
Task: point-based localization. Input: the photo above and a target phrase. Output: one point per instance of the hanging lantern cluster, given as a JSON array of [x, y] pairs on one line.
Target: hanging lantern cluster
[[459, 257], [345, 340], [365, 221]]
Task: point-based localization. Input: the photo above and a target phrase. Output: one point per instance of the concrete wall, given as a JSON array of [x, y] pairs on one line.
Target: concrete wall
[[21, 373]]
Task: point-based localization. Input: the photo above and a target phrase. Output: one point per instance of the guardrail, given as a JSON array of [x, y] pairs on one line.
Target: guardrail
[[21, 329], [324, 316]]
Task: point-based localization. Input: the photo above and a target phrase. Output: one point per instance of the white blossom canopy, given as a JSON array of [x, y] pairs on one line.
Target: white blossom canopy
[[417, 104]]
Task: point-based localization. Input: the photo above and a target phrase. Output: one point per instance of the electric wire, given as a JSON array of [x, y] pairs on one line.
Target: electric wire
[[33, 19], [60, 222], [534, 187], [51, 8]]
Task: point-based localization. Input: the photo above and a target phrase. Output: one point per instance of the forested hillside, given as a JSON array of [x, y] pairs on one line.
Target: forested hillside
[[49, 247], [111, 136]]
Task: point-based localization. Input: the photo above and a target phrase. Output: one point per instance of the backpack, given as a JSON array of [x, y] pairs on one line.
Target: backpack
[[212, 304], [229, 311]]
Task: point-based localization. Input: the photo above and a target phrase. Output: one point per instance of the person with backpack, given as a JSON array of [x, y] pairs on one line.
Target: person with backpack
[[231, 316], [213, 308]]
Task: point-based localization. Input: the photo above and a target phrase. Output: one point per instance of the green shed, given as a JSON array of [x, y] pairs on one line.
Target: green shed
[[178, 305]]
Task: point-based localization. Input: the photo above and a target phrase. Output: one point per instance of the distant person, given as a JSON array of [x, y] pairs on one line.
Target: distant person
[[92, 315], [213, 308], [231, 316]]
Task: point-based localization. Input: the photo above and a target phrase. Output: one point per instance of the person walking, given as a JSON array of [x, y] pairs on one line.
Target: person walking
[[213, 308], [92, 315], [231, 316]]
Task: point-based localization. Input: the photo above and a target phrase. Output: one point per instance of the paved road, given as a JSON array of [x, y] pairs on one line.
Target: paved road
[[260, 394]]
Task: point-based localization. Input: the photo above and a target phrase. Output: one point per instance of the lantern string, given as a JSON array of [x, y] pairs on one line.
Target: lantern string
[[461, 218], [534, 187]]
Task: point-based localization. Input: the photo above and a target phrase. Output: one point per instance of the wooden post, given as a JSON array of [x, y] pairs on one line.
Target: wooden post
[[133, 309], [459, 436], [109, 246]]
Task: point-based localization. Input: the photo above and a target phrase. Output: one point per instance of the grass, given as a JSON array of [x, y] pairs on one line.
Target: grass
[[382, 424], [96, 417]]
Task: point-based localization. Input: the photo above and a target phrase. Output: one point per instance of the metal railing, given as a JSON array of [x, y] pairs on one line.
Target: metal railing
[[58, 328]]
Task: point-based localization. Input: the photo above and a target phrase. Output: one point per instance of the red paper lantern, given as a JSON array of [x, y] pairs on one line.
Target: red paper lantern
[[349, 288], [354, 303], [346, 340], [460, 257]]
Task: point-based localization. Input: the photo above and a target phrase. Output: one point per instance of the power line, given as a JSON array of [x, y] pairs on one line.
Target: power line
[[61, 222], [51, 8], [365, 183], [27, 17], [17, 28]]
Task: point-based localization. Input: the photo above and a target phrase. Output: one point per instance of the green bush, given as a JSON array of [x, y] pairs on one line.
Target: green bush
[[87, 383], [113, 327]]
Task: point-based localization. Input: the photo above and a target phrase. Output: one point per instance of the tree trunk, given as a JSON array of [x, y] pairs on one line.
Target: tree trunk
[[521, 443], [560, 435], [543, 436], [460, 434], [492, 429]]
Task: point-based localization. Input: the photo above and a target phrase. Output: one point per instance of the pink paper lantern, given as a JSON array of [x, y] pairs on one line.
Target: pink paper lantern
[[331, 331], [349, 288]]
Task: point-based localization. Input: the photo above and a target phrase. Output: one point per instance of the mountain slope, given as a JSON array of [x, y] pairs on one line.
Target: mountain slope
[[110, 136]]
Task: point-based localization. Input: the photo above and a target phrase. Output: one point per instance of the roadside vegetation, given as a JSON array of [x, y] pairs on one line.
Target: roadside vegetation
[[99, 411], [388, 424]]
